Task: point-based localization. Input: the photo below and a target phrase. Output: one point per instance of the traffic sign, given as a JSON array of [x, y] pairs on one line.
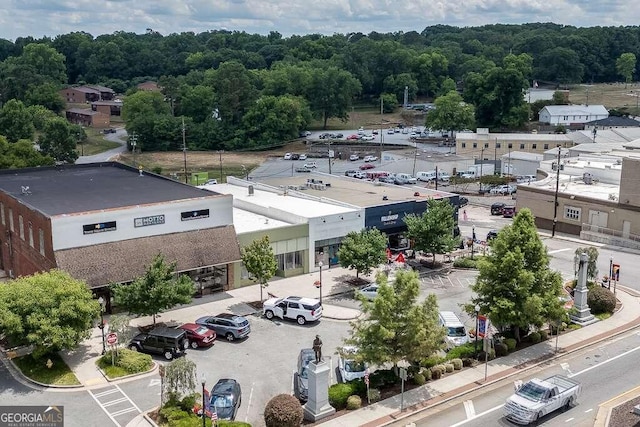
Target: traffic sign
[[112, 338], [366, 376]]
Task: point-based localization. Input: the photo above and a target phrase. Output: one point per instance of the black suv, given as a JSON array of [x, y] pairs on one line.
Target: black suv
[[166, 341], [496, 208]]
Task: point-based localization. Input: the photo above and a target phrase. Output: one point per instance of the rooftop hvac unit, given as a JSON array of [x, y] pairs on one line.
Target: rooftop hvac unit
[[587, 178], [250, 190]]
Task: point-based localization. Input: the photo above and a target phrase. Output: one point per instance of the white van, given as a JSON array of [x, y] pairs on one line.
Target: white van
[[456, 333], [426, 176]]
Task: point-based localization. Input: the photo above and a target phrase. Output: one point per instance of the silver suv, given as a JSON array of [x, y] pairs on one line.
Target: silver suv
[[230, 326]]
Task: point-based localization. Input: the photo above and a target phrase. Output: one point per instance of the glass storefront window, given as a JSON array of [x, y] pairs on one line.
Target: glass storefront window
[[290, 260]]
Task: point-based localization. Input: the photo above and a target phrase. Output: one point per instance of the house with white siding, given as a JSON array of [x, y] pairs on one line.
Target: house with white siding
[[571, 114]]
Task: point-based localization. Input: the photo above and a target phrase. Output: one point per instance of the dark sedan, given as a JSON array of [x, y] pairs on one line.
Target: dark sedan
[[226, 397]]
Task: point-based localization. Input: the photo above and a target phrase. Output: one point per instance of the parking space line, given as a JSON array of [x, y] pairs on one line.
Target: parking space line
[[246, 417], [118, 400]]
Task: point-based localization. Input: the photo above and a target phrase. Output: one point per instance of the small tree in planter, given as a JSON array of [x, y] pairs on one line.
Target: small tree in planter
[[259, 260]]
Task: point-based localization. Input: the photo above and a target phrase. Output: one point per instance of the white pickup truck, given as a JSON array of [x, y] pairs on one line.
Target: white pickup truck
[[537, 398]]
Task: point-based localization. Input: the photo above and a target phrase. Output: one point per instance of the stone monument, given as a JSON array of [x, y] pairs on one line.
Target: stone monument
[[581, 313], [317, 406]]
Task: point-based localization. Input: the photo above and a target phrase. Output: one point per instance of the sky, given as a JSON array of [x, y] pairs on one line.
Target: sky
[[38, 18]]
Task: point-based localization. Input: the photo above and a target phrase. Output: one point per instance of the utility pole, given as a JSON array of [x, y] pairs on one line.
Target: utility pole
[[381, 123], [184, 151], [437, 176], [555, 198], [220, 153], [329, 153], [481, 164], [415, 157]]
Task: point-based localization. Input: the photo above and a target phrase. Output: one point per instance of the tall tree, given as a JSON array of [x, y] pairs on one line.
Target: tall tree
[[51, 311], [15, 121], [432, 232], [363, 250], [625, 66], [396, 327], [331, 93], [47, 95], [58, 140], [160, 288], [515, 287], [21, 154], [451, 113], [259, 260], [271, 120]]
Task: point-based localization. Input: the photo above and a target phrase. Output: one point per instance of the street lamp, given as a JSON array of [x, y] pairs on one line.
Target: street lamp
[[473, 238], [610, 271], [477, 309], [320, 264], [101, 302], [204, 405]]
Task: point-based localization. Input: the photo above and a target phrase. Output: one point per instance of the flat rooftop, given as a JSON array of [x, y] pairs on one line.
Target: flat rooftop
[[247, 222], [574, 185], [304, 208], [89, 187], [358, 192]]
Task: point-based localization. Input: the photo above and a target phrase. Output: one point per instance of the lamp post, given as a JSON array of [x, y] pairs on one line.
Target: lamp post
[[320, 264], [101, 302], [610, 271], [204, 405], [473, 238], [477, 309]]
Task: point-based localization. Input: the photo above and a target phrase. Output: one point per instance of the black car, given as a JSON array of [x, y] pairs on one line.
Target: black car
[[166, 341], [295, 156], [492, 234], [496, 208], [226, 397], [462, 202]]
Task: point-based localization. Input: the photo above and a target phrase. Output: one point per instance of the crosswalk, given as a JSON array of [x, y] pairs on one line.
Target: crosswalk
[[116, 404], [444, 281]]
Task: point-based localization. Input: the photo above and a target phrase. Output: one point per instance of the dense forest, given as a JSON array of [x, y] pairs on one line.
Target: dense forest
[[238, 90]]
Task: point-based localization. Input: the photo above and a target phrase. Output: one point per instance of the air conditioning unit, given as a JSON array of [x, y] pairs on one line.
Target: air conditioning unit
[[250, 190]]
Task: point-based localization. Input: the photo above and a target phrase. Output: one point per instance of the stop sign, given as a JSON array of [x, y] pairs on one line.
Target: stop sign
[[112, 338]]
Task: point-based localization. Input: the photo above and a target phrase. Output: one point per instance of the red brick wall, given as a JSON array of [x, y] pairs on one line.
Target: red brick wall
[[17, 254]]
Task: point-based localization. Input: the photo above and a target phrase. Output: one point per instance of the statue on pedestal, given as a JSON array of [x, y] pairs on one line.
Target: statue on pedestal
[[317, 348]]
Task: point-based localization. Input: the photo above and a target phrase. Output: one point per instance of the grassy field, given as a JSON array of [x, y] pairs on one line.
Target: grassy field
[[611, 95], [37, 370]]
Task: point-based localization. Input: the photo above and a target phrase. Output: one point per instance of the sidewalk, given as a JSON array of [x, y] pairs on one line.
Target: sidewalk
[[454, 385]]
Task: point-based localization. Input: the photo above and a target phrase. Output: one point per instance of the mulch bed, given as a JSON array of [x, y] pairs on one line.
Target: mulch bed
[[623, 416]]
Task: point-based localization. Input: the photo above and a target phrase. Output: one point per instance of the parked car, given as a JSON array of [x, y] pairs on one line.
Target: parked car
[[350, 173], [496, 208], [169, 342], [226, 397], [368, 137], [300, 309], [230, 326], [348, 367], [354, 157], [303, 157], [492, 234], [390, 131], [508, 211], [301, 380], [360, 175], [462, 202], [405, 178], [199, 336], [391, 179], [338, 136], [287, 156], [503, 189], [353, 137], [295, 156], [366, 166], [370, 292], [211, 182], [311, 165], [370, 159], [108, 130]]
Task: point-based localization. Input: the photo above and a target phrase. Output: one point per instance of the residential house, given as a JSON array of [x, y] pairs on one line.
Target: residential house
[[572, 114]]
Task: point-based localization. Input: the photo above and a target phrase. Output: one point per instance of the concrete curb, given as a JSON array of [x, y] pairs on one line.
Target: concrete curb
[[69, 387], [518, 369]]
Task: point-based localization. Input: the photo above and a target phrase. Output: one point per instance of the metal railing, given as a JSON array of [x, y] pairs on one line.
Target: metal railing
[[609, 232]]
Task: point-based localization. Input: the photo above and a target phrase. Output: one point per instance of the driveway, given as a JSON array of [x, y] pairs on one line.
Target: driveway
[[120, 137]]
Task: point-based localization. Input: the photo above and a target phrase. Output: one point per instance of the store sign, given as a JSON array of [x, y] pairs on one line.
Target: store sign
[[100, 227], [148, 220], [389, 219], [191, 215]]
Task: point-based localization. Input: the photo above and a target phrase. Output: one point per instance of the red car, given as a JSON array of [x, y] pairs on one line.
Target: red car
[[199, 336], [354, 136], [366, 166]]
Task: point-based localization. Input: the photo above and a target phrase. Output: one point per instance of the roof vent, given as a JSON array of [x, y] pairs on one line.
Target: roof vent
[[250, 190], [385, 198]]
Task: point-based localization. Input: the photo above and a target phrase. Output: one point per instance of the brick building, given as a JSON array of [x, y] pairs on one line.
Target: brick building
[[87, 94], [104, 222]]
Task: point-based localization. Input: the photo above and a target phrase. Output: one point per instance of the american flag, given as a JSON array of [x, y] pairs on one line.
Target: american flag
[[214, 416]]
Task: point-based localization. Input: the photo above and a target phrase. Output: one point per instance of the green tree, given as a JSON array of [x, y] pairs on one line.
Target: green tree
[[515, 287], [592, 263], [16, 121], [21, 154], [259, 260], [432, 232], [331, 92], [363, 250], [179, 379], [625, 66], [40, 115], [51, 311], [271, 120], [396, 327], [389, 103], [451, 113], [58, 140], [160, 288], [47, 95]]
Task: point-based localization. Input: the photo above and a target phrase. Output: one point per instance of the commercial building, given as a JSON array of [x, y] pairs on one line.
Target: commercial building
[[490, 146], [571, 114], [105, 222]]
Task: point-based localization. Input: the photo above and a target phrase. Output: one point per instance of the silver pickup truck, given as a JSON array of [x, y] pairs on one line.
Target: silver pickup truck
[[537, 398]]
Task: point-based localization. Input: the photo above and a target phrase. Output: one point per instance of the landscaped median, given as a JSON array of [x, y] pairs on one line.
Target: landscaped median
[[123, 362], [49, 370]]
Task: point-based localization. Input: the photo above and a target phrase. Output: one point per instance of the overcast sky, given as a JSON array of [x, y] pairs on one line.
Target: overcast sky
[[37, 18]]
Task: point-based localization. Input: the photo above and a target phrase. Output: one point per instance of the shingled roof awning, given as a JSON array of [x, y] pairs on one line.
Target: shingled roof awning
[[123, 261]]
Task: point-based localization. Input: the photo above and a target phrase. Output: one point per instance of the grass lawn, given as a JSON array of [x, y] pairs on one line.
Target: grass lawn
[[37, 370], [95, 143], [112, 371]]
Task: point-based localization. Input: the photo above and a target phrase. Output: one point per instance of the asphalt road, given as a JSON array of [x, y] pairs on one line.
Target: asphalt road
[[120, 137], [604, 372]]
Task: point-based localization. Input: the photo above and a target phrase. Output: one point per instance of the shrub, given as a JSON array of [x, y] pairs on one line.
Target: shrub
[[501, 349], [426, 374], [543, 335], [511, 344], [283, 410], [457, 364], [574, 326], [601, 300], [133, 362], [492, 354], [448, 367], [467, 362], [432, 361], [439, 368], [466, 262], [374, 395], [354, 402], [339, 393], [412, 370], [465, 350], [359, 387], [534, 337], [383, 377], [419, 379]]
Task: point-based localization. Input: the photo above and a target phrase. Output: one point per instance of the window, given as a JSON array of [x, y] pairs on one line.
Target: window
[[31, 235], [510, 146], [11, 219], [41, 238], [2, 212], [522, 146], [289, 260], [546, 146], [498, 145], [475, 145], [21, 225], [534, 146], [572, 213], [294, 305], [486, 145], [464, 145], [565, 118]]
